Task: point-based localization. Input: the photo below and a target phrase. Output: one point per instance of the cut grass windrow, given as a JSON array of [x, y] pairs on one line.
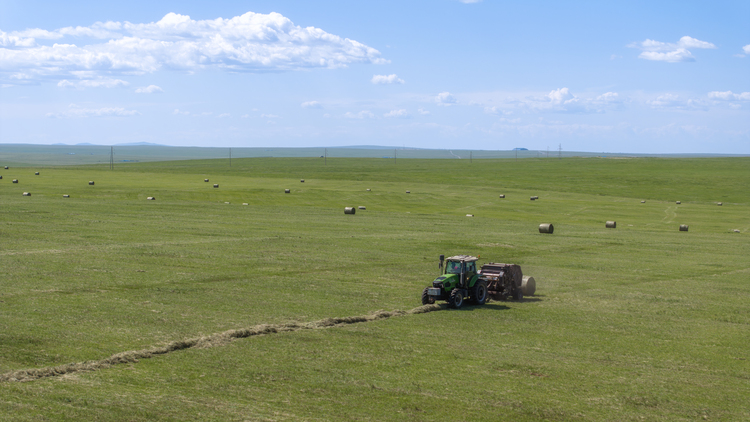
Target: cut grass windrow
[[213, 340]]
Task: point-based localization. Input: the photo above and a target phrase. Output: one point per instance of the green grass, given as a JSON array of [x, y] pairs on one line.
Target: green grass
[[642, 322]]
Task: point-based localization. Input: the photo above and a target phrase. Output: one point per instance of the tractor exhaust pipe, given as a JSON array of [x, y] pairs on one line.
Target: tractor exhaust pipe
[[440, 266]]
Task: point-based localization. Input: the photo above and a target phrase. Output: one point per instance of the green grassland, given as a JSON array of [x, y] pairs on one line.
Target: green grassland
[[641, 322]]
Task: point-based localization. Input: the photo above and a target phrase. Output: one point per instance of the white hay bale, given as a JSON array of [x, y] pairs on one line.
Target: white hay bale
[[408, 191], [678, 202], [368, 190], [287, 191], [66, 196], [244, 203], [15, 180], [36, 173], [6, 167], [502, 196], [150, 198], [528, 285], [736, 231], [205, 180], [302, 181], [26, 194], [643, 202], [611, 224], [470, 215], [91, 182], [683, 227], [216, 185], [1, 176], [349, 210], [719, 204], [362, 207], [546, 228], [226, 202]]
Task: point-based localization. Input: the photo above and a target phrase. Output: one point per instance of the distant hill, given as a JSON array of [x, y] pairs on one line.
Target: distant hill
[[140, 144]]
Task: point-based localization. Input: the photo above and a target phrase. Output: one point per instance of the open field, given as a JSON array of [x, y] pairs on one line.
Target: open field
[[641, 322]]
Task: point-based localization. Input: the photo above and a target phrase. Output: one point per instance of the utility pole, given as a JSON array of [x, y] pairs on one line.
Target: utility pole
[[559, 152], [470, 157], [325, 157], [230, 157], [111, 158], [394, 155], [516, 154]]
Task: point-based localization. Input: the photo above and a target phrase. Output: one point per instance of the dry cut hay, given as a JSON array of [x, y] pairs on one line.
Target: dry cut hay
[[683, 227], [26, 194], [611, 224], [528, 285], [349, 210], [213, 340], [546, 228]]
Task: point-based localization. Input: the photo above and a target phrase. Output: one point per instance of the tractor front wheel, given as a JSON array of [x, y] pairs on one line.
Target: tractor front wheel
[[479, 293], [426, 298], [456, 299]]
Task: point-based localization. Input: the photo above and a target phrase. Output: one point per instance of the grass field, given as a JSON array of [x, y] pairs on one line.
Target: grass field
[[641, 322]]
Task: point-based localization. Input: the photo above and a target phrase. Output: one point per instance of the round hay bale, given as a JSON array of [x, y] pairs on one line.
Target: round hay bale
[[6, 167], [66, 196], [362, 207], [683, 227], [611, 224], [470, 215], [408, 191], [15, 180], [91, 182], [205, 180], [216, 185], [287, 191], [244, 203], [719, 204], [502, 196], [368, 190], [150, 198], [226, 202], [736, 231], [532, 198], [528, 286], [36, 173], [643, 202], [678, 202], [26, 194], [546, 228], [1, 176], [302, 181], [349, 210]]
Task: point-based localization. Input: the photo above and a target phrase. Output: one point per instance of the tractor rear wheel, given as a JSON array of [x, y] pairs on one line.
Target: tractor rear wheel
[[456, 299], [426, 298], [479, 293]]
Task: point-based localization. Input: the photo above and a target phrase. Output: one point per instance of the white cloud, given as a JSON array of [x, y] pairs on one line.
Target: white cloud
[[269, 116], [151, 89], [311, 104], [670, 52], [93, 83], [445, 99], [246, 43], [670, 101], [364, 114], [746, 49], [729, 96], [469, 1], [78, 111], [178, 112], [423, 112], [223, 115], [401, 114], [386, 79]]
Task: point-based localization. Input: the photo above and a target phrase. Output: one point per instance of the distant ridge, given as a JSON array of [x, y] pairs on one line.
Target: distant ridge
[[140, 144]]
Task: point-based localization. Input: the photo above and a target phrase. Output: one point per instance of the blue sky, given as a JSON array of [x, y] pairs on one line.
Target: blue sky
[[651, 77]]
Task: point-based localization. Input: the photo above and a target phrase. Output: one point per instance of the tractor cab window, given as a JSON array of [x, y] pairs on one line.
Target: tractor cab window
[[453, 267], [471, 267]]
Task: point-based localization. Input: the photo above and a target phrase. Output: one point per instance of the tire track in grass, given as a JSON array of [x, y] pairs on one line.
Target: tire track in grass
[[213, 340]]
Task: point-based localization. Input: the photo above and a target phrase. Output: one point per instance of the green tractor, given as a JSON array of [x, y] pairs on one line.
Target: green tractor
[[459, 280]]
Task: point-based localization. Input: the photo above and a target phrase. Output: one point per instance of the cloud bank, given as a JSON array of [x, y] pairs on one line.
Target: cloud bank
[[670, 52], [252, 42]]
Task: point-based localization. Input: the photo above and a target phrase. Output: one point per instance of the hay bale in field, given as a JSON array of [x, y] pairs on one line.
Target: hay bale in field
[[216, 185], [719, 204], [546, 228], [737, 230], [408, 191], [287, 191], [205, 180], [226, 202], [15, 180], [349, 210], [683, 227], [528, 285], [470, 215], [368, 190], [678, 202], [643, 202], [362, 207], [302, 181], [244, 203], [1, 176], [91, 182], [26, 194], [150, 198], [36, 173], [611, 224], [502, 196], [6, 167], [66, 196]]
